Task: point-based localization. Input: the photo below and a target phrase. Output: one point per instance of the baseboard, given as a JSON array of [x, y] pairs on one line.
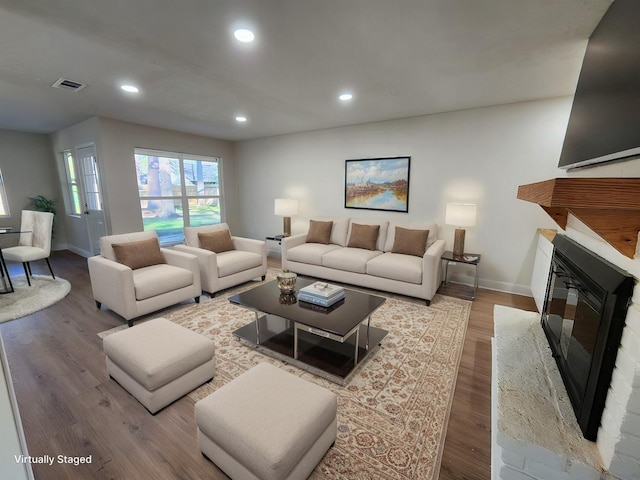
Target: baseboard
[[493, 285], [72, 248]]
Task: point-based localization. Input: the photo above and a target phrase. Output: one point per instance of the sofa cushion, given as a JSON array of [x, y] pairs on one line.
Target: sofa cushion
[[158, 279], [382, 233], [319, 232], [339, 231], [216, 242], [396, 266], [311, 253], [432, 227], [191, 233], [139, 254], [234, 261], [410, 242], [349, 259], [363, 236]]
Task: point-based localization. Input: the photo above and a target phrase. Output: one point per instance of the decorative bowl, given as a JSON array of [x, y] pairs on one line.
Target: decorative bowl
[[287, 281]]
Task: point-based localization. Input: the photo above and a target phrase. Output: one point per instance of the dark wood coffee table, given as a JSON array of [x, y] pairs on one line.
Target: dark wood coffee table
[[330, 342]]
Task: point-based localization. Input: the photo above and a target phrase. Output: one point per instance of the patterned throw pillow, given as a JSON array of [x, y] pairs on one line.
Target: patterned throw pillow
[[363, 236], [319, 232], [410, 242], [142, 253], [217, 242]]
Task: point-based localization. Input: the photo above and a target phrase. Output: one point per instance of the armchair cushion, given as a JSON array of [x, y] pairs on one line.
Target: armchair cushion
[[237, 261], [319, 232], [158, 279], [216, 242], [410, 242], [139, 254]]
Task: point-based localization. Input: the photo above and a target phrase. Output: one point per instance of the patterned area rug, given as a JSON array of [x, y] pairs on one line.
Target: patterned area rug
[[392, 415]]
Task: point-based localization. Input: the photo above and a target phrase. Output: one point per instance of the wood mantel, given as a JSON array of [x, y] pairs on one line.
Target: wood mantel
[[609, 206]]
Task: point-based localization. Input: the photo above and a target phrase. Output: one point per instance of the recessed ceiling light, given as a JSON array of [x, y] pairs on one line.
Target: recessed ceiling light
[[243, 35], [129, 88], [241, 118], [345, 97]]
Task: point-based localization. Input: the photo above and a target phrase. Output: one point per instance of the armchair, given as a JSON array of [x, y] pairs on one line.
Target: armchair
[[245, 261], [133, 292]]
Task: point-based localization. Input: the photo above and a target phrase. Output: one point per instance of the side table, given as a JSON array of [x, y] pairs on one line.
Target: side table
[[468, 259], [275, 238]]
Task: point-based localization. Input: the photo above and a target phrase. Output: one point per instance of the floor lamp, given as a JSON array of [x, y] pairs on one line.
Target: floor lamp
[[286, 207], [460, 215]]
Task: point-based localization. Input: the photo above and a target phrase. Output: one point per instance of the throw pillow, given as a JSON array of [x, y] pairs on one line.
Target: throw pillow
[[142, 253], [410, 242], [319, 232], [363, 236], [217, 242]]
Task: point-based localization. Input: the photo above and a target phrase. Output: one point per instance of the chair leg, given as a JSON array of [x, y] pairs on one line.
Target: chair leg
[[25, 265], [98, 304], [197, 299], [50, 269]]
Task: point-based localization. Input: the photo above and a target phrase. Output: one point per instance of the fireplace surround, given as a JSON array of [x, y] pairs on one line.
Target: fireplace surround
[[584, 316]]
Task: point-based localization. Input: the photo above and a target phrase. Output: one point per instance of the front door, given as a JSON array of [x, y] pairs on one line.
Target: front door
[[93, 207]]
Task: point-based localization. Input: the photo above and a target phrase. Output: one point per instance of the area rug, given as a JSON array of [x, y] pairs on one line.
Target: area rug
[[393, 413], [25, 300]]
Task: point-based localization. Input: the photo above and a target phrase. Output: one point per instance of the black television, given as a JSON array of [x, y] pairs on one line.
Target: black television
[[604, 124]]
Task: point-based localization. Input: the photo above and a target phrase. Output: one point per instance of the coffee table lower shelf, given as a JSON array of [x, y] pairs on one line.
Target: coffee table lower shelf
[[274, 336]]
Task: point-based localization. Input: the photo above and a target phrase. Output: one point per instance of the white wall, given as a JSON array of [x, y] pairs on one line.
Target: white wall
[[479, 155], [115, 142]]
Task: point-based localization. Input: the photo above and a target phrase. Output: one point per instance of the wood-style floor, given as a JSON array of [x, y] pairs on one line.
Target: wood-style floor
[[69, 406]]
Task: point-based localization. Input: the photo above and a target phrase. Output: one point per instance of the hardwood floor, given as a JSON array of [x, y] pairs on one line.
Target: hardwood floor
[[70, 407]]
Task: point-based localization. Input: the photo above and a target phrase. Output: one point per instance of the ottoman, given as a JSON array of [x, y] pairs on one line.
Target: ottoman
[[158, 361], [267, 424]]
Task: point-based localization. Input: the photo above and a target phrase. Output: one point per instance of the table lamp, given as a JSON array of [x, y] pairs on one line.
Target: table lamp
[[460, 215], [286, 207]]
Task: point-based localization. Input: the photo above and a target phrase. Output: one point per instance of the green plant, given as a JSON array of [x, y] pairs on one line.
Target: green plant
[[42, 204]]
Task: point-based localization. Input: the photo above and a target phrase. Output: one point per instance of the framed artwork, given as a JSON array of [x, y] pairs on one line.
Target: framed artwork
[[377, 184]]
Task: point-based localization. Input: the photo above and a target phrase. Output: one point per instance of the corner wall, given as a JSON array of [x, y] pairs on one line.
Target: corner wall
[[480, 155]]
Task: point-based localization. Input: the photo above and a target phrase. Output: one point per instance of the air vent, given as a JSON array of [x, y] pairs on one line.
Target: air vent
[[67, 84]]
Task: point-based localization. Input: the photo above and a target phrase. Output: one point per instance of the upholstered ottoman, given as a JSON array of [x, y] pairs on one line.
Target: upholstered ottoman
[[158, 361], [267, 424]]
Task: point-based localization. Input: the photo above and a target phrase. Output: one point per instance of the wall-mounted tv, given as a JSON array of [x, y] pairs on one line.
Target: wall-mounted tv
[[604, 124]]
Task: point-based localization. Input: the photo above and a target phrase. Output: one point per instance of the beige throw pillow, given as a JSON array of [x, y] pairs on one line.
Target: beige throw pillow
[[319, 232], [410, 242], [363, 236], [142, 253], [217, 242]]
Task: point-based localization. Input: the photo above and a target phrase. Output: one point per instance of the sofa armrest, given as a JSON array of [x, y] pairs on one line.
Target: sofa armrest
[[290, 242], [432, 267], [250, 245], [183, 260], [112, 284]]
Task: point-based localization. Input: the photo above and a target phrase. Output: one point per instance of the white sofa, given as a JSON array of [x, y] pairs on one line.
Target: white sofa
[[379, 269]]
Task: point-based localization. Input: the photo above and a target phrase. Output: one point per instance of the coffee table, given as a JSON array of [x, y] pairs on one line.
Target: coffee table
[[329, 342]]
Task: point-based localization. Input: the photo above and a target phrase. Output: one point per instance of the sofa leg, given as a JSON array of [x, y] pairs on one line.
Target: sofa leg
[[197, 299], [264, 277], [130, 323], [427, 302], [98, 304]]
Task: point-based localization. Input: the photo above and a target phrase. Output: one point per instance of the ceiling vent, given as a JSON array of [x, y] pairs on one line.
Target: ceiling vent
[[66, 84]]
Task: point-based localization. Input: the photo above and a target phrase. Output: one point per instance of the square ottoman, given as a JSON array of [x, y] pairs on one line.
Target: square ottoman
[[158, 361], [267, 424]]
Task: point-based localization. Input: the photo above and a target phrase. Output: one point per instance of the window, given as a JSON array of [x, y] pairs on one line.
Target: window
[[4, 204], [177, 190], [73, 207]]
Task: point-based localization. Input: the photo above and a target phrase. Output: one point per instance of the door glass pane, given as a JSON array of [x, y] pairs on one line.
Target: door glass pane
[[204, 211], [158, 176], [91, 184], [164, 216]]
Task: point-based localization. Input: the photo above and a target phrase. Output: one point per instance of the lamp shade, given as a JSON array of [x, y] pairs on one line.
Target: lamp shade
[[286, 207], [461, 214]]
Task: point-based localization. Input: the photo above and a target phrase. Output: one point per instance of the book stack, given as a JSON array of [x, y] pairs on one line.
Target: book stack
[[321, 293]]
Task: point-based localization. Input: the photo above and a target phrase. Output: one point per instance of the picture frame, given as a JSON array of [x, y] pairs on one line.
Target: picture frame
[[377, 184]]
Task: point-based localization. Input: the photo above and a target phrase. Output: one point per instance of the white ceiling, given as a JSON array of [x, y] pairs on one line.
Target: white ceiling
[[400, 58]]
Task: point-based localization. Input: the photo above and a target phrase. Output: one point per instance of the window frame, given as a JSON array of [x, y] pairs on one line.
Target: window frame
[[184, 197], [5, 211]]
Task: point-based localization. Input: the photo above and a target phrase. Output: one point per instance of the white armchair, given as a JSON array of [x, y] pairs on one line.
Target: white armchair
[[218, 271], [133, 292]]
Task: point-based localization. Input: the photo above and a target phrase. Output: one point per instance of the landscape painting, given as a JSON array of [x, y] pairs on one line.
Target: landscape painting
[[377, 184]]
